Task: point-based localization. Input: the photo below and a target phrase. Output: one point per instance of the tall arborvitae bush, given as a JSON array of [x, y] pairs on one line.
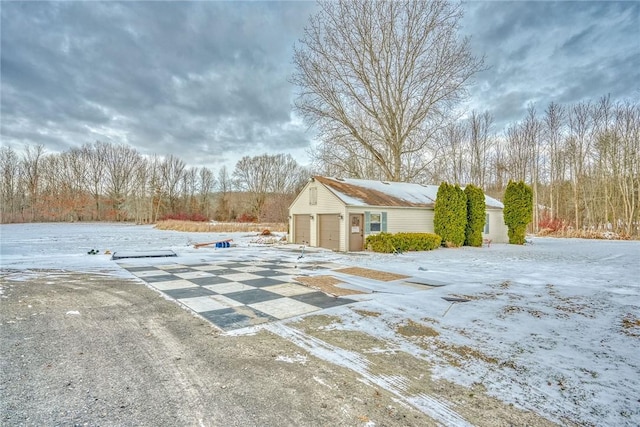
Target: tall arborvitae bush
[[518, 210], [476, 216], [450, 217]]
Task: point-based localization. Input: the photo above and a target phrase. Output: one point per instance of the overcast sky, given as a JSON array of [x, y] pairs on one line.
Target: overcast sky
[[209, 81]]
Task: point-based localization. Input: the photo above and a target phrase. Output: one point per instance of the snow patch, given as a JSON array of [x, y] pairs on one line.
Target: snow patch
[[296, 358]]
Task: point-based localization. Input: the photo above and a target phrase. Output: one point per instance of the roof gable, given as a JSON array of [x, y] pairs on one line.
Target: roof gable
[[362, 192]]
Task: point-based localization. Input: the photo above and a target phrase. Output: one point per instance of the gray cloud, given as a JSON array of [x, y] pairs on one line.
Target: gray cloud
[[538, 52], [208, 81]]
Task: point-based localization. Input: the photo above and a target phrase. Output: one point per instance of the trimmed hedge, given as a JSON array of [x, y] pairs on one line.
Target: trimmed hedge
[[402, 242], [476, 216], [518, 210], [450, 214]]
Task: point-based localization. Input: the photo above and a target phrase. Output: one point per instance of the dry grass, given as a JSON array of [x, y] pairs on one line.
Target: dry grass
[[372, 274], [220, 227], [631, 325], [584, 234], [414, 329], [367, 313], [457, 354], [326, 284]]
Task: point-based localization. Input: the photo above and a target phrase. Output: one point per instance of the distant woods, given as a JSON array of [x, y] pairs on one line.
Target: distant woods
[[108, 182], [582, 162]]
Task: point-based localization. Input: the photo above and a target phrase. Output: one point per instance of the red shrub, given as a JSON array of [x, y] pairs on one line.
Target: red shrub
[[246, 217], [548, 223]]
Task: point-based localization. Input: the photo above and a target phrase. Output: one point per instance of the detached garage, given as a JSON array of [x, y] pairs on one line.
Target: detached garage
[[339, 214]]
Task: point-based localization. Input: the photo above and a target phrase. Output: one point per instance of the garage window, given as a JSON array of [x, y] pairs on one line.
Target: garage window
[[486, 224], [313, 196]]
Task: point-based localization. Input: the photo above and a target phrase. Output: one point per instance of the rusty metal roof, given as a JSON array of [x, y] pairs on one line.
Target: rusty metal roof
[[362, 192], [359, 192]]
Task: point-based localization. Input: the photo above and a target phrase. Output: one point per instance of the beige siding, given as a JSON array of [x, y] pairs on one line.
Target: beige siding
[[410, 220], [497, 228], [416, 220], [327, 203], [399, 219]]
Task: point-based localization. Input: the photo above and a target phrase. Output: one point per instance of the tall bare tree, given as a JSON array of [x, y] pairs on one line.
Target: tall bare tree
[[224, 186], [31, 162], [480, 146], [172, 170], [254, 175], [121, 162], [383, 75], [11, 179], [95, 156], [454, 159], [553, 125], [206, 184]]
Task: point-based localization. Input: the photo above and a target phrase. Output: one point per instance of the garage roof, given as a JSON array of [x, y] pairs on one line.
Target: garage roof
[[362, 192]]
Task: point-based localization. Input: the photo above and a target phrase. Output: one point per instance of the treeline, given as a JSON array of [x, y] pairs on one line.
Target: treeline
[[109, 182], [582, 161]]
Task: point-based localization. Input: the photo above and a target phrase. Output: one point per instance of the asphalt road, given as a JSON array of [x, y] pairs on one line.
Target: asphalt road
[[80, 349]]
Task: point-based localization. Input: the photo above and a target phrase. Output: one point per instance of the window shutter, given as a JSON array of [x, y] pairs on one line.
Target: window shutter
[[383, 226], [367, 222]]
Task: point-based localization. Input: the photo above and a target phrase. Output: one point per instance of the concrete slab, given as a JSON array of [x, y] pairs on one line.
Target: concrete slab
[[144, 254], [425, 281]]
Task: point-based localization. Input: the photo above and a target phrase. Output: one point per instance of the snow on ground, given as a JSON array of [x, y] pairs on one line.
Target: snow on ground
[[554, 321]]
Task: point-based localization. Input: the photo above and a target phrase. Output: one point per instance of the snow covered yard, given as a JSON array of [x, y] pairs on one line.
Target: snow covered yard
[[552, 326]]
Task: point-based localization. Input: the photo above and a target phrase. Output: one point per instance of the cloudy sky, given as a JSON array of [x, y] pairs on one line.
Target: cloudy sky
[[209, 81]]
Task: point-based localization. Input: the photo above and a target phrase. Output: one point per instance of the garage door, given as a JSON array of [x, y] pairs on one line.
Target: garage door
[[301, 229], [329, 231]]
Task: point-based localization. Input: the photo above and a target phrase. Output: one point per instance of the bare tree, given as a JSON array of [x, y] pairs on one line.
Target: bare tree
[[578, 148], [189, 190], [517, 153], [383, 76], [74, 173], [11, 176], [454, 164], [206, 184], [288, 178], [347, 158], [480, 145], [31, 162], [141, 193], [254, 175], [287, 175], [96, 157], [171, 173], [121, 162], [552, 131], [224, 186]]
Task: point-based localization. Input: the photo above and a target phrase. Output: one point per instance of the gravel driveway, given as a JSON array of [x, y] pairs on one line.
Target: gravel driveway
[[87, 349], [81, 349]]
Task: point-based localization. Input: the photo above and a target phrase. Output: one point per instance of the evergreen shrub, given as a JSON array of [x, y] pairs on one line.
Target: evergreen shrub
[[476, 215], [518, 210], [450, 216], [402, 242]]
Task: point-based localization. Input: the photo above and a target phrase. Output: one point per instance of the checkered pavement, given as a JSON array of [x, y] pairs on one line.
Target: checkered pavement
[[236, 294]]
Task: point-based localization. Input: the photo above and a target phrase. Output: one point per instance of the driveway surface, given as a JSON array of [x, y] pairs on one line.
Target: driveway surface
[[89, 349]]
